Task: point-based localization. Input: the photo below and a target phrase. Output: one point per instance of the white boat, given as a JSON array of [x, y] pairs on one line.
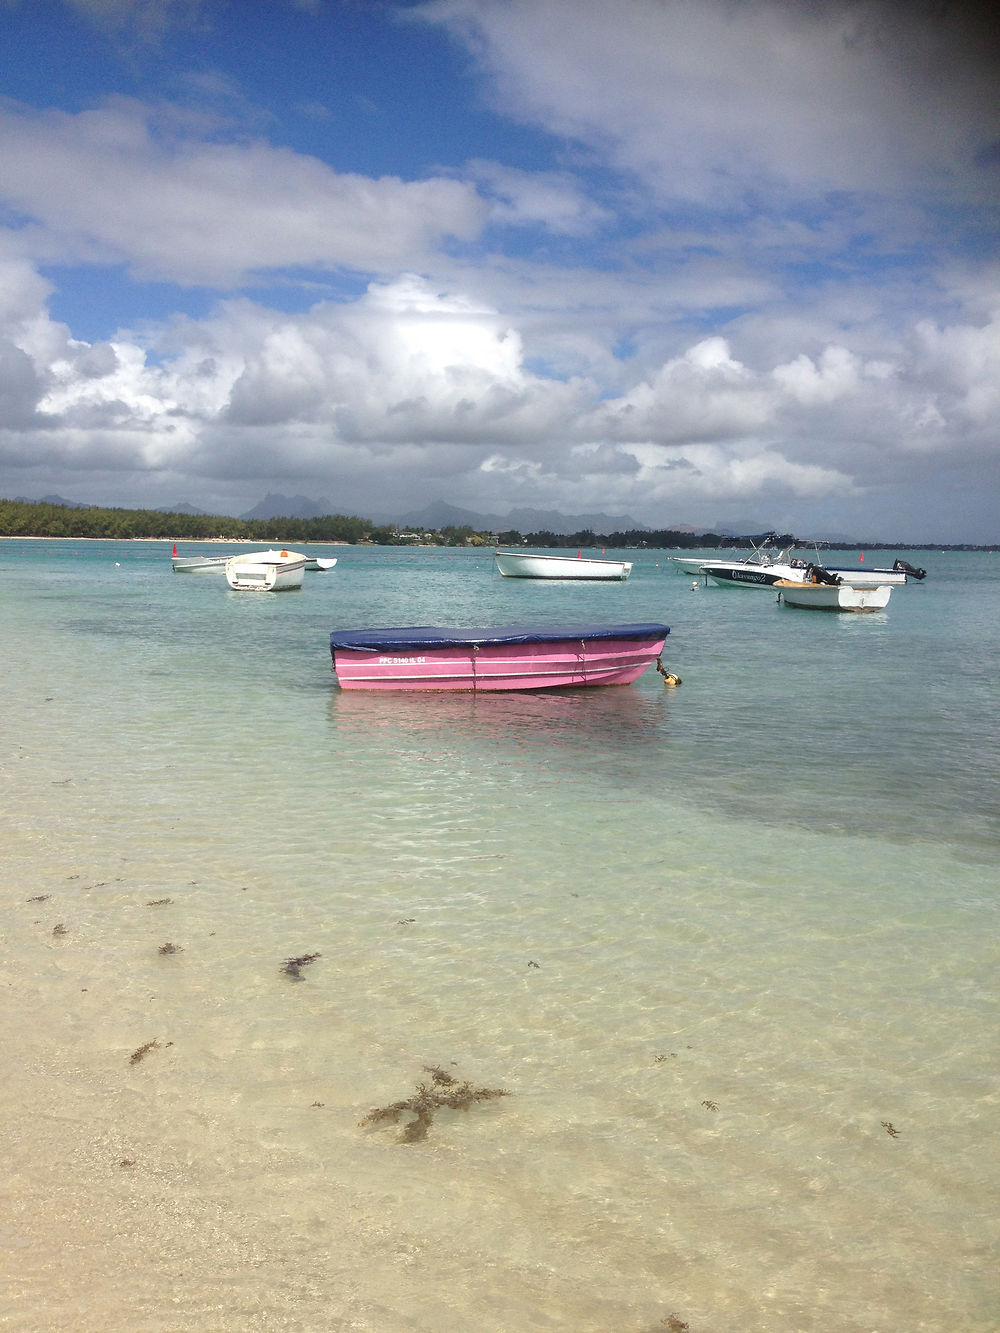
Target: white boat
[[862, 577], [767, 564], [524, 565], [761, 568], [696, 564], [834, 596], [265, 571], [216, 564], [197, 564]]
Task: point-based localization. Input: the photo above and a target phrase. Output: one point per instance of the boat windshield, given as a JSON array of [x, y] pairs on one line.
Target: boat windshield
[[763, 549]]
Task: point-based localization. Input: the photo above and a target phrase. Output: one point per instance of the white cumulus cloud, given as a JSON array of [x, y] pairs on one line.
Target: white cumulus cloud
[[129, 184]]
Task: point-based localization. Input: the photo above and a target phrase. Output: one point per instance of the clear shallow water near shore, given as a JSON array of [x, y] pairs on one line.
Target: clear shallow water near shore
[[712, 940]]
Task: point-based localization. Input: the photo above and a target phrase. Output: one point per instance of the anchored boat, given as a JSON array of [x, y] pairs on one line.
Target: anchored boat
[[866, 576], [512, 657], [216, 564], [197, 564], [524, 565], [766, 565], [833, 596], [694, 564], [265, 571]]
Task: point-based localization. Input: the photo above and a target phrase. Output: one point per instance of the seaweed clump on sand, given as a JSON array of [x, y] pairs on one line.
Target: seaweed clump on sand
[[444, 1090], [140, 1053], [292, 967]]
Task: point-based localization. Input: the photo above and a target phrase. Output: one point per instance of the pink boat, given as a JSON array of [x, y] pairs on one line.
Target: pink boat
[[528, 657]]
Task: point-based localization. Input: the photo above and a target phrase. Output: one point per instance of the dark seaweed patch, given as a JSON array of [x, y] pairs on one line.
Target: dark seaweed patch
[[142, 1051], [292, 967], [444, 1090]]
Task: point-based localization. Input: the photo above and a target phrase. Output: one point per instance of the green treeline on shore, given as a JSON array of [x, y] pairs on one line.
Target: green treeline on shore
[[22, 518]]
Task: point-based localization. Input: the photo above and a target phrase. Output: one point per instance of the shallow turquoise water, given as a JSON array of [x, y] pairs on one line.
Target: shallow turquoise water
[[715, 940]]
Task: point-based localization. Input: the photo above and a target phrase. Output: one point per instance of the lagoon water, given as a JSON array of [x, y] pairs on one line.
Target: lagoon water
[[731, 949]]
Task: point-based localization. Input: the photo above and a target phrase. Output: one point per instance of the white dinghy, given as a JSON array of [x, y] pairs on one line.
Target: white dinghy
[[525, 565], [833, 596], [265, 571]]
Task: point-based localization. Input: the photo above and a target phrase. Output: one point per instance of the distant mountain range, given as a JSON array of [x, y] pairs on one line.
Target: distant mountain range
[[52, 500], [290, 506], [182, 508], [439, 514]]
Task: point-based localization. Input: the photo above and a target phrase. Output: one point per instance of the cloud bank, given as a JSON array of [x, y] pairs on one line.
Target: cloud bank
[[753, 272]]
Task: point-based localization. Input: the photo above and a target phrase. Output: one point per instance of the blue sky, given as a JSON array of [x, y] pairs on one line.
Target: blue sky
[[686, 261]]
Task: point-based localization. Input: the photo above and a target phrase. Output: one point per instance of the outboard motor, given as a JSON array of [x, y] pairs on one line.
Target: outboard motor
[[903, 567], [817, 574]]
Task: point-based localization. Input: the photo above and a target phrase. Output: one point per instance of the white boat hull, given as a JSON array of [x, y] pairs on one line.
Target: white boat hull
[[216, 564], [860, 577], [833, 596], [523, 565], [685, 564], [199, 564], [265, 571]]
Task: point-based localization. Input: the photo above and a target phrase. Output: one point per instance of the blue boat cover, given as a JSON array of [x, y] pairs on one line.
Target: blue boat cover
[[434, 636]]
